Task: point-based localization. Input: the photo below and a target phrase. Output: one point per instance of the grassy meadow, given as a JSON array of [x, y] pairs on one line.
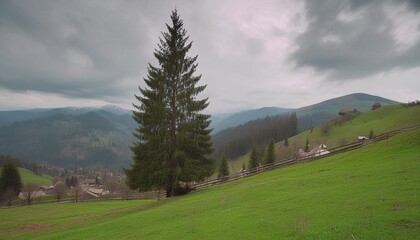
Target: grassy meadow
[[381, 120], [30, 177], [369, 193]]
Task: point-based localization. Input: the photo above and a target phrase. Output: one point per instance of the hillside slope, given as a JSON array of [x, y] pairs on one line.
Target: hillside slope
[[369, 193], [8, 117], [317, 112], [360, 101], [100, 137], [246, 116], [94, 139], [384, 119], [30, 177]]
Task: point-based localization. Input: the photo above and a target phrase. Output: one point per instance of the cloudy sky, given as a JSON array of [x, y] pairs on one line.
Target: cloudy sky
[[251, 53]]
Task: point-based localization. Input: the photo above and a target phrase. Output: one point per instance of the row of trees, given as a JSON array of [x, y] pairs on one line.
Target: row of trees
[[237, 141], [256, 158], [262, 157], [34, 167]]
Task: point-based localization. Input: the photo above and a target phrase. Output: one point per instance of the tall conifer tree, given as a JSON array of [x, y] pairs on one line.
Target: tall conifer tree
[[224, 167], [271, 155], [10, 178], [253, 158], [173, 139]]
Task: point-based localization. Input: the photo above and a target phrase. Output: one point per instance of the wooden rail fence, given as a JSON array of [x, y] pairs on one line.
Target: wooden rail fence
[[295, 160]]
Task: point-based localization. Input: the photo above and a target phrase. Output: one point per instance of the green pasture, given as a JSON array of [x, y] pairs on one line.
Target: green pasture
[[30, 177], [369, 193], [381, 120]]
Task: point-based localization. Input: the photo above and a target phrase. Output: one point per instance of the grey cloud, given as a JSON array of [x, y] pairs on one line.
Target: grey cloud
[[74, 48], [98, 50], [359, 48], [255, 47]]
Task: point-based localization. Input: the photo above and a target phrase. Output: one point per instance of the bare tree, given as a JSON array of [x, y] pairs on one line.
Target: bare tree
[[29, 192], [125, 190], [325, 128], [110, 184], [8, 195], [60, 189], [75, 192]]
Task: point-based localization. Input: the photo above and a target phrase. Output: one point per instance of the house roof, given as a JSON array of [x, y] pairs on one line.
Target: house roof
[[89, 181], [91, 194], [96, 190], [343, 111], [35, 194]]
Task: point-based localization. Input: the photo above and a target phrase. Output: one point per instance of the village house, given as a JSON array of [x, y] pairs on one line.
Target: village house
[[376, 106], [315, 152], [343, 112], [362, 138], [91, 191]]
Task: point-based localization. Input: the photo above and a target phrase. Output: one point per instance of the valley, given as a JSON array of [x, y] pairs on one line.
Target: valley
[[372, 191]]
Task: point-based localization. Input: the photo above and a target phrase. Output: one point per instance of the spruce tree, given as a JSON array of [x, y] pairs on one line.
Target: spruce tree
[[224, 167], [253, 158], [173, 140], [10, 179], [270, 157], [371, 134], [307, 145]]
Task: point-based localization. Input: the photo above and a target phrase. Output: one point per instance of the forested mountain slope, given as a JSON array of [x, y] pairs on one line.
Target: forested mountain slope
[[94, 139]]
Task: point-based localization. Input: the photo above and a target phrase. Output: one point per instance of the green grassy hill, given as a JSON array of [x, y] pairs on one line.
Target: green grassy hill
[[360, 101], [369, 193], [323, 110], [382, 120], [30, 177]]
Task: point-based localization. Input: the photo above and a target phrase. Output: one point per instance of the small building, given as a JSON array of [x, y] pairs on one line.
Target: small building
[[362, 138], [97, 191], [301, 153], [320, 151], [34, 194], [45, 188], [89, 182], [343, 112], [376, 106], [316, 152], [88, 195]]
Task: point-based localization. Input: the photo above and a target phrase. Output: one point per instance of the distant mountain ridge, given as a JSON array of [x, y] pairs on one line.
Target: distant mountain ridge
[[360, 101], [102, 136], [86, 139], [323, 110], [246, 116], [8, 117]]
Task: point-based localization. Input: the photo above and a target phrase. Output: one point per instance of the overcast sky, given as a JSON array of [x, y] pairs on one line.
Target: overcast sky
[[251, 54]]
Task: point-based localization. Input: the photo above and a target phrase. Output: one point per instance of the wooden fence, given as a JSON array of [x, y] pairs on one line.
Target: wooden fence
[[295, 160], [131, 195], [247, 173]]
